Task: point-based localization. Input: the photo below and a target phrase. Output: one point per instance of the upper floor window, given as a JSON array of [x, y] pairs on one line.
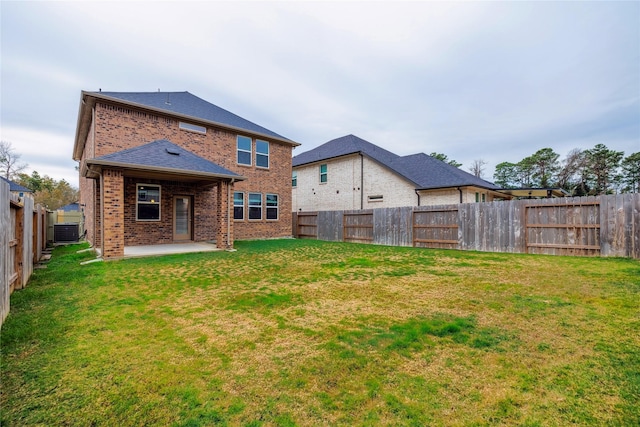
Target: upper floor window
[[262, 154], [192, 127], [244, 150], [294, 179], [148, 202], [255, 206], [238, 205], [272, 206], [323, 173]]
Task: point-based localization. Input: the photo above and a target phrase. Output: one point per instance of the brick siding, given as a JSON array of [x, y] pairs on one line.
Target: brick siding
[[116, 128]]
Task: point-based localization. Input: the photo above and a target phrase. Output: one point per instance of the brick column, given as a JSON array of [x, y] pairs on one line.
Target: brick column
[[112, 190], [224, 218]]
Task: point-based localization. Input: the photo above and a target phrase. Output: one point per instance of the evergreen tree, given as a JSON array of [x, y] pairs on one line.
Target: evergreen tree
[[630, 173], [601, 166], [506, 175], [444, 158]]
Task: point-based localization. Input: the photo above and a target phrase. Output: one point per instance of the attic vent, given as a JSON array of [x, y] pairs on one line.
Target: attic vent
[[172, 151], [193, 128]]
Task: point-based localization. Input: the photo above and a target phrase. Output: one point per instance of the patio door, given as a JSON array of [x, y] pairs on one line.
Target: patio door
[[182, 217]]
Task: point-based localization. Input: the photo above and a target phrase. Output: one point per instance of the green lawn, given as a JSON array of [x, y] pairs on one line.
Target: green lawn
[[301, 332]]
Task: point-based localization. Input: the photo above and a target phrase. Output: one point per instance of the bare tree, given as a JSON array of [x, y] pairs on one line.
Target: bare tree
[[477, 167], [9, 161]]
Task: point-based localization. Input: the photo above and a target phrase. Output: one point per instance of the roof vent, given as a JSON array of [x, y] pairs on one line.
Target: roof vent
[[172, 151]]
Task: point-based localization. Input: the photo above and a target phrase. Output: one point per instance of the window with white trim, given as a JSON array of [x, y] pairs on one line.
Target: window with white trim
[[244, 150], [255, 205], [262, 154], [147, 202], [294, 179], [323, 173], [238, 205], [272, 206]]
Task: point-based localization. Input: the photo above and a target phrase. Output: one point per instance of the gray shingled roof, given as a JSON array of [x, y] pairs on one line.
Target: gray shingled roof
[[164, 155], [188, 104], [15, 186], [343, 146], [425, 172]]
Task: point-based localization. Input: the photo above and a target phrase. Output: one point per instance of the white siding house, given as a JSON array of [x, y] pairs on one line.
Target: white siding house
[[351, 173]]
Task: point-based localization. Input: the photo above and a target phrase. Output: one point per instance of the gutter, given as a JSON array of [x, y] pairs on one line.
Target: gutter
[[174, 171]]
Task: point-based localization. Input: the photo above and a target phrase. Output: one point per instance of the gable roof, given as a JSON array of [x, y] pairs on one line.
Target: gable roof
[[165, 157], [182, 105], [424, 171], [343, 146], [13, 186]]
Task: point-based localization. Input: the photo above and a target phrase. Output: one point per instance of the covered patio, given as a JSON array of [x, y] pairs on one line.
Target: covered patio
[[160, 198]]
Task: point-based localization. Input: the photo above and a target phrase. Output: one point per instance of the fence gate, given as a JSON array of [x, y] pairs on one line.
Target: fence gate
[[357, 227], [571, 228], [307, 224], [436, 228]]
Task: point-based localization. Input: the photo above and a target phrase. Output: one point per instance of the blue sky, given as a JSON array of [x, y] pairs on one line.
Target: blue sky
[[495, 81]]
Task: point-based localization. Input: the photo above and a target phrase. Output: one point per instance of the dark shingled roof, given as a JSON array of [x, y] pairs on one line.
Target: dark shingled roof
[[343, 146], [166, 155], [16, 187], [424, 171], [190, 105]]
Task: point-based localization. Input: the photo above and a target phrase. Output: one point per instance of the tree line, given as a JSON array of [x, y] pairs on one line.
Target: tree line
[[47, 191], [598, 170]]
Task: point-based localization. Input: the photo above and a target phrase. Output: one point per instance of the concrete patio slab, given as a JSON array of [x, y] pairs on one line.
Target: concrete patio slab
[[169, 249]]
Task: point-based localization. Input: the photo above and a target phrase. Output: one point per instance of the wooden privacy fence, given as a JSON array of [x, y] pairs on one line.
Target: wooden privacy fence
[[585, 226], [22, 240]]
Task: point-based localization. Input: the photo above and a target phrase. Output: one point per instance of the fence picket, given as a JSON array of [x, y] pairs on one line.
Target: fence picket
[[587, 226]]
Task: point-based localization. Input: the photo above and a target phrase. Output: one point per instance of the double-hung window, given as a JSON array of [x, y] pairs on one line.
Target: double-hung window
[[294, 179], [244, 150], [148, 202], [272, 206], [262, 154], [238, 205], [323, 173], [255, 205]]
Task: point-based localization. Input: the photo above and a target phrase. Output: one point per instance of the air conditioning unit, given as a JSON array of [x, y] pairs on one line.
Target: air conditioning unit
[[65, 232]]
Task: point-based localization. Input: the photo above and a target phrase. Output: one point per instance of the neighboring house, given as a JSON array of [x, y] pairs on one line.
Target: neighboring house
[[165, 167], [71, 207], [18, 189], [351, 173]]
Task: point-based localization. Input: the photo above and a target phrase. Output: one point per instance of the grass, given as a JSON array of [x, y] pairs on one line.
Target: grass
[[301, 333]]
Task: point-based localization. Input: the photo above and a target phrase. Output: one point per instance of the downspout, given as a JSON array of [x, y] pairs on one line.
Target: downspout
[[93, 136], [229, 204], [361, 181], [460, 190], [418, 194]]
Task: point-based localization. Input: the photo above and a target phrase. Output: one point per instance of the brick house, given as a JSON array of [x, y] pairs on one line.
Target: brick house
[[165, 167], [351, 173]]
